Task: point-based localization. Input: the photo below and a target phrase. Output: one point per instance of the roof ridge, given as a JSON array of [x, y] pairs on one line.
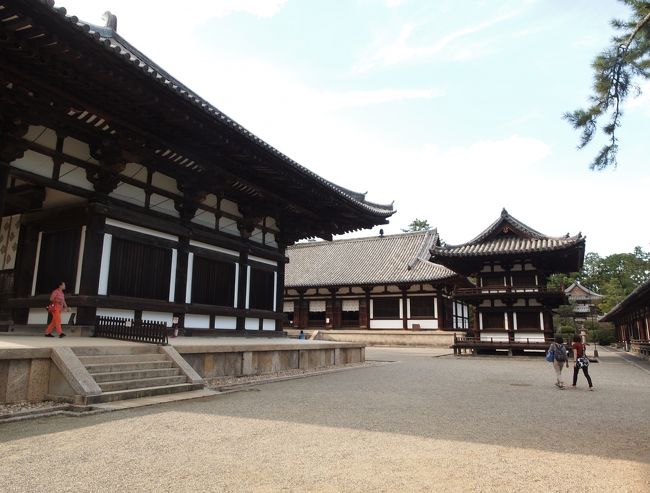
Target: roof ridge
[[364, 238]]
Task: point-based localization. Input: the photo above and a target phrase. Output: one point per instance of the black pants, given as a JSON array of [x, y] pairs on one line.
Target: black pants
[[585, 370]]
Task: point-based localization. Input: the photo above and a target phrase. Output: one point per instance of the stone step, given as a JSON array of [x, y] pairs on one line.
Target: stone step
[[135, 374], [121, 358], [145, 392], [112, 350], [141, 383], [117, 367]]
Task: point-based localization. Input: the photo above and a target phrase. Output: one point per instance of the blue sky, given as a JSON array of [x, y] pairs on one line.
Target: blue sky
[[452, 109]]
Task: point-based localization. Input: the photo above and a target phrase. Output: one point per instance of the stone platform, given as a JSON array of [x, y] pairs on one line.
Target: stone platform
[[33, 367], [384, 337]]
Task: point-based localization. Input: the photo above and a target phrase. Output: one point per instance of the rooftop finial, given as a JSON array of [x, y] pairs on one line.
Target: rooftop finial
[[111, 20]]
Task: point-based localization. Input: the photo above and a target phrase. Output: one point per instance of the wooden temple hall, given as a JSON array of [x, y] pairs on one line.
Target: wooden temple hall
[[510, 263], [147, 201], [381, 282]]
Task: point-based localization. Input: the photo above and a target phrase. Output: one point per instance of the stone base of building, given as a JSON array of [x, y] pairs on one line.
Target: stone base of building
[[384, 337]]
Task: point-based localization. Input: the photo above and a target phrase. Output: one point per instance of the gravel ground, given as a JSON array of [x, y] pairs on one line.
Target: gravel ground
[[17, 407], [423, 423]]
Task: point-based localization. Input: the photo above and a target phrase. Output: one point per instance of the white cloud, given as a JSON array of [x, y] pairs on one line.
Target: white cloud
[[404, 49]]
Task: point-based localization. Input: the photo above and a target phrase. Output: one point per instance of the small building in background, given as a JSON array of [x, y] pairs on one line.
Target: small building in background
[[511, 263], [381, 282], [584, 300]]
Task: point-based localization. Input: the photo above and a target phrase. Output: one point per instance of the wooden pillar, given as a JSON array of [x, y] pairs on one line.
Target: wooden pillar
[[405, 315], [4, 178], [279, 300], [92, 260], [241, 288], [182, 274], [364, 310], [441, 310]]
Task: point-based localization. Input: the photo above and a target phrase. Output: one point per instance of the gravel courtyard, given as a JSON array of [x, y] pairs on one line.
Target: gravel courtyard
[[425, 422]]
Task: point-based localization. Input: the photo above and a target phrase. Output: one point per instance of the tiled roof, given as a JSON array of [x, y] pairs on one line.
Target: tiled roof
[[524, 240], [641, 295], [110, 40], [363, 261], [582, 293]]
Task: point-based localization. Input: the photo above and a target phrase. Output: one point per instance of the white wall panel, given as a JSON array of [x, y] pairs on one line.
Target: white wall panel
[[230, 207], [158, 317], [252, 324], [162, 204], [228, 323], [36, 163], [268, 324], [136, 171], [197, 321], [424, 324], [115, 312], [129, 193], [165, 182], [76, 148], [75, 176], [386, 324]]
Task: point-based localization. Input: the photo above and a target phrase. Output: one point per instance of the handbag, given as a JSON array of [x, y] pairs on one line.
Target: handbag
[[583, 361], [50, 307], [550, 356]]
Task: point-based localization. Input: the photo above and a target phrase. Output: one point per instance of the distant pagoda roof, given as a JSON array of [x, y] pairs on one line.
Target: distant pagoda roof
[[638, 298], [391, 259], [507, 236]]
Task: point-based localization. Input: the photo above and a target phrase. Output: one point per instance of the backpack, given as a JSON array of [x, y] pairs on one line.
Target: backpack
[[560, 353]]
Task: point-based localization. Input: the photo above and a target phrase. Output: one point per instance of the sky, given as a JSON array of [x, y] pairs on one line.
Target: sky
[[450, 109]]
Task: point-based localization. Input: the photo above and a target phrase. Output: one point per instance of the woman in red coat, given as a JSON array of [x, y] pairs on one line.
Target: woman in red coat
[[578, 352]]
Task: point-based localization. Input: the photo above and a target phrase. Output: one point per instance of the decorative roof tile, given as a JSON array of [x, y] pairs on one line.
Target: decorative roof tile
[[389, 259]]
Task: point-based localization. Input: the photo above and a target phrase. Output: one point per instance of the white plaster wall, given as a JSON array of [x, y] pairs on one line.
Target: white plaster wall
[[115, 312], [36, 163], [386, 324], [136, 171], [158, 317], [257, 236], [197, 321], [129, 193], [41, 135], [74, 175], [165, 182], [270, 240], [228, 323], [76, 148], [268, 324], [252, 324], [230, 207], [424, 324], [495, 336], [532, 336], [205, 218], [228, 225], [163, 204], [37, 316]]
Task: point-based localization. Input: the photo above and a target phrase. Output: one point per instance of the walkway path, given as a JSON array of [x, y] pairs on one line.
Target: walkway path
[[426, 422]]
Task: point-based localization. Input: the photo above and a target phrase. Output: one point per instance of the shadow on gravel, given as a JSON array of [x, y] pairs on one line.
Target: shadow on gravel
[[505, 402]]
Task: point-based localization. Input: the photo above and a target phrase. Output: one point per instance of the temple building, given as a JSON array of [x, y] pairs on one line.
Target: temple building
[[148, 201], [381, 282], [584, 300], [631, 319], [510, 263]]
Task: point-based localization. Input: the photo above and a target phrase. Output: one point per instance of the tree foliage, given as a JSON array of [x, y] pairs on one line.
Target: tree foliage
[[614, 276], [617, 70], [418, 225]]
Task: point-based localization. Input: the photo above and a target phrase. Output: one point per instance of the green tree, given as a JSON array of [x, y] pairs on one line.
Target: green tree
[[418, 225], [617, 71]]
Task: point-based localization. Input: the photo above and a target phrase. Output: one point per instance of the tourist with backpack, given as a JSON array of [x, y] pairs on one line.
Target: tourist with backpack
[[559, 358], [581, 361]]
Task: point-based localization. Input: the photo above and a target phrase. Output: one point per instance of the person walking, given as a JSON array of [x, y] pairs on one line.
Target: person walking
[[57, 305], [560, 359], [581, 361]]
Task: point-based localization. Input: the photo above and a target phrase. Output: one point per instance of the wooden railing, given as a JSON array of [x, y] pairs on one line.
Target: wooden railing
[[505, 289], [640, 347], [131, 330]]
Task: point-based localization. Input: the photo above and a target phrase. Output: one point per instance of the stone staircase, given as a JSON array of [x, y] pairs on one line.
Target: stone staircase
[[132, 372]]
